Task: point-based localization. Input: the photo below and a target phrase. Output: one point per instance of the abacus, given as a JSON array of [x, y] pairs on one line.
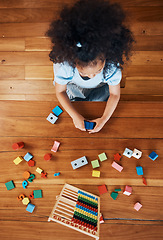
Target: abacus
[[77, 209]]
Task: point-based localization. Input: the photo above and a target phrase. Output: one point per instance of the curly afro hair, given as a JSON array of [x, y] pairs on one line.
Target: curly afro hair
[[91, 29]]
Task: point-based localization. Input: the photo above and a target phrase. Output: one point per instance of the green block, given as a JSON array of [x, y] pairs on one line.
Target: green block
[[117, 190], [95, 163], [10, 185], [102, 157], [37, 193], [114, 195]]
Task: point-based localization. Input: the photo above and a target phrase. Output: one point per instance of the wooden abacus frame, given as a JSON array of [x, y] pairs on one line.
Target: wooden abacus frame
[[63, 211]]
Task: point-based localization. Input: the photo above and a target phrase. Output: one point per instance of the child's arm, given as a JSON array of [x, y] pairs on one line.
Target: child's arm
[[61, 94], [109, 109]]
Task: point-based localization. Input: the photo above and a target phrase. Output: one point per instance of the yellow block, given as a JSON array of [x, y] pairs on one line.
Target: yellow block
[[25, 201], [95, 173], [39, 170], [18, 160]]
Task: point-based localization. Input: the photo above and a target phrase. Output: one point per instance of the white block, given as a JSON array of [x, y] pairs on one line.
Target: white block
[[80, 162], [137, 154], [128, 153], [52, 118]]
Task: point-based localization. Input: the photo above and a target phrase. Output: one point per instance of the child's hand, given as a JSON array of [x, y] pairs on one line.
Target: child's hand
[[79, 122], [99, 125]]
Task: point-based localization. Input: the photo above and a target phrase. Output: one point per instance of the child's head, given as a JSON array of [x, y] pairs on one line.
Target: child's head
[[90, 30]]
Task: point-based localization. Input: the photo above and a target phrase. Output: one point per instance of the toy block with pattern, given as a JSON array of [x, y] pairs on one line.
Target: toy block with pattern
[[55, 146], [80, 162], [114, 195], [137, 206], [18, 160], [117, 166], [37, 193], [128, 190], [10, 185], [136, 153], [30, 207], [18, 145], [28, 157], [139, 170], [47, 156], [102, 157], [95, 163], [102, 189], [31, 163], [57, 111], [39, 170], [52, 118], [95, 173], [25, 201], [128, 153], [153, 156], [117, 157]]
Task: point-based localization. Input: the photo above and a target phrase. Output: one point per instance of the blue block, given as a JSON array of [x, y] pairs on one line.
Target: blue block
[[30, 207], [153, 155], [56, 174], [57, 111], [139, 170], [89, 125], [28, 157]]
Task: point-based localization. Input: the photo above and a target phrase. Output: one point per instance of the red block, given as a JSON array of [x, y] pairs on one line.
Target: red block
[[44, 175], [48, 156], [102, 189], [18, 145], [117, 157], [144, 181], [31, 163]]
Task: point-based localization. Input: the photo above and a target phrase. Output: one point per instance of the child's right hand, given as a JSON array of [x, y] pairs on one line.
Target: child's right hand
[[79, 122]]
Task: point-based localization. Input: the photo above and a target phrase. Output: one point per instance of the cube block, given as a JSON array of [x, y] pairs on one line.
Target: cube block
[[37, 193], [95, 173], [102, 157], [10, 185], [153, 155], [28, 157], [52, 118], [57, 111], [137, 206], [30, 207], [102, 189], [114, 195], [128, 153], [18, 160], [127, 190], [89, 125], [95, 163]]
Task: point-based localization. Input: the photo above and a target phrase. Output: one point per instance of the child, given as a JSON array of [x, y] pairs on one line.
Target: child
[[89, 45]]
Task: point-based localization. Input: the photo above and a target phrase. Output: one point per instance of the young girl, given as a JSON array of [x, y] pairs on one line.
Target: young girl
[[89, 44]]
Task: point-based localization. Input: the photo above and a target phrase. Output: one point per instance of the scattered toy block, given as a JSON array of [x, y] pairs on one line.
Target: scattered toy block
[[52, 118], [55, 146], [18, 160], [31, 196], [95, 163], [47, 156], [39, 170], [137, 206], [102, 189], [56, 174], [18, 145], [95, 173], [153, 156], [44, 175], [89, 125], [102, 157], [31, 163], [80, 162], [128, 153], [101, 218], [37, 193], [57, 111], [25, 201], [10, 185], [26, 174], [136, 153], [31, 177], [28, 156], [24, 184], [117, 190], [127, 190], [139, 170], [117, 156], [21, 197], [117, 166], [144, 181], [114, 195], [30, 207]]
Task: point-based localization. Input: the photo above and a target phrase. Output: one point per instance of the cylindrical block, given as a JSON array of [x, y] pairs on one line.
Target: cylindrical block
[[18, 145], [47, 156]]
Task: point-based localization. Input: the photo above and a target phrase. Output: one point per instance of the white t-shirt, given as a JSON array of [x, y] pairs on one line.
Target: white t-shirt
[[64, 73]]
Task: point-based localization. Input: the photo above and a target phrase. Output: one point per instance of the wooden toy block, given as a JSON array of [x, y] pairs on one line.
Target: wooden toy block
[[101, 218], [137, 206], [79, 210], [31, 163], [56, 174], [114, 195], [55, 146], [95, 163], [10, 185], [39, 170], [31, 196], [89, 125], [144, 181], [25, 201], [21, 197], [117, 166], [18, 160], [102, 189], [24, 184], [117, 190], [47, 156], [128, 153], [139, 170], [18, 145], [52, 118], [102, 157], [136, 153], [44, 175], [95, 173], [117, 157], [30, 207], [80, 162], [57, 111], [26, 174], [153, 156], [127, 190], [28, 156], [37, 193], [31, 177]]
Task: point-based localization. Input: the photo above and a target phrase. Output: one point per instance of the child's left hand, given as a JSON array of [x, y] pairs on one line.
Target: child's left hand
[[99, 125]]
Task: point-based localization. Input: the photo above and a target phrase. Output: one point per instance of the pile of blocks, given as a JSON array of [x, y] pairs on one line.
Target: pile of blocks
[[53, 117]]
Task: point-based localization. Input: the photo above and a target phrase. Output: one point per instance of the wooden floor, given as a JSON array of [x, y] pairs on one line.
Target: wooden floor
[[26, 99]]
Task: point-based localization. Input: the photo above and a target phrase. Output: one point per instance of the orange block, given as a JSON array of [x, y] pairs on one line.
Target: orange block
[[26, 174]]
